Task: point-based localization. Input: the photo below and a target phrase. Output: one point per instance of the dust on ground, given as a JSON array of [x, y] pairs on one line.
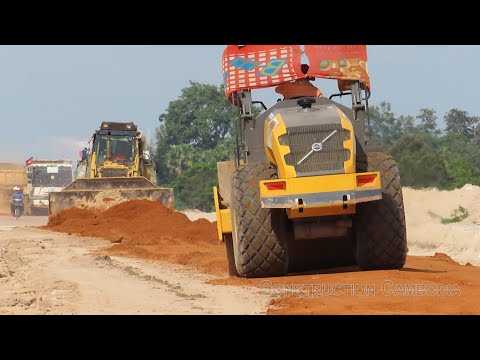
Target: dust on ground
[[434, 284]]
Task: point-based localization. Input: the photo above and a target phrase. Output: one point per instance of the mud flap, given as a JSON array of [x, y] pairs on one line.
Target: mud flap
[[225, 170]]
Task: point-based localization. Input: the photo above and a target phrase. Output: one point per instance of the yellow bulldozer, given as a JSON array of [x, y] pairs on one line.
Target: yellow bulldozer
[[304, 171], [116, 168]]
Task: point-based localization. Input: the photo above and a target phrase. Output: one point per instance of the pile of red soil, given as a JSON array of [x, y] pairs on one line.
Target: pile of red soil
[[147, 229]]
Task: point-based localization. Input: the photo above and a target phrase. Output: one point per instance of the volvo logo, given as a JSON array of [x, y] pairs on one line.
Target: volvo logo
[[316, 147]]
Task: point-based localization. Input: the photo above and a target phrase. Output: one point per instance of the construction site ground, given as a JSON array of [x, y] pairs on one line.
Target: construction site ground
[[139, 258]]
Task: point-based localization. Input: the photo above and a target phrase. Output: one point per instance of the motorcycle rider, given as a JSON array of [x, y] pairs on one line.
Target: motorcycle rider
[[17, 194]]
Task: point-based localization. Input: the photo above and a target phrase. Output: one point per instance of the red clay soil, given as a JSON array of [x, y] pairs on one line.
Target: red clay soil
[[147, 229], [426, 285]]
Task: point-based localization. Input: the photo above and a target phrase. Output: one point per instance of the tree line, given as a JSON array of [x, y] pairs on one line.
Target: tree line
[[428, 156], [197, 130]]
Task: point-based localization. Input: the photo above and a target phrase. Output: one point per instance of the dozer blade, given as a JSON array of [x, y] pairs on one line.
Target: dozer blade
[[103, 193]]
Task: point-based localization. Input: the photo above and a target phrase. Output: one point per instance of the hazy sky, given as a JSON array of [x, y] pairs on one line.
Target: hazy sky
[[53, 97]]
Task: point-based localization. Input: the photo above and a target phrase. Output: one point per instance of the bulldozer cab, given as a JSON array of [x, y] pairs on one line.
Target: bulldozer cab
[[117, 142], [113, 147], [115, 150]]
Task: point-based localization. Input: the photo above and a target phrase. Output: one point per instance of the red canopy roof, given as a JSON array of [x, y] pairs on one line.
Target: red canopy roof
[[247, 67]]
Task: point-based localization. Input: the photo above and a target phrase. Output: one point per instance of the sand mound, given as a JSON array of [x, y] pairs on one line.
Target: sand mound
[[427, 235], [194, 214], [146, 229]]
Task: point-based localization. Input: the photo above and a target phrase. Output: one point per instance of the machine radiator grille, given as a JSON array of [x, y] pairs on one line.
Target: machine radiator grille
[[330, 154]]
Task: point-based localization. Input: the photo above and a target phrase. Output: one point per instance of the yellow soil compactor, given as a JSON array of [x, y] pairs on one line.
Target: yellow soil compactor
[[303, 170]]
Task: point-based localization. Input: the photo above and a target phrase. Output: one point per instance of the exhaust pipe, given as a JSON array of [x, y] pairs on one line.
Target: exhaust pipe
[[109, 147]]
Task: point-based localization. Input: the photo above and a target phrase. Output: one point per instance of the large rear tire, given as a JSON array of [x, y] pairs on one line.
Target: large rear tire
[[379, 226], [259, 235]]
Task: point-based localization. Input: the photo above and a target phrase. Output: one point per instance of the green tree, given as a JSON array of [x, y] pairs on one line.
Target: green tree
[[408, 125], [428, 121], [179, 158], [419, 163], [460, 123], [384, 128], [193, 188], [200, 119], [476, 135], [195, 133], [462, 160]]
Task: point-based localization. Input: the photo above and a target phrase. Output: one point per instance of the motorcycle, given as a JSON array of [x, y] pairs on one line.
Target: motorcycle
[[17, 208]]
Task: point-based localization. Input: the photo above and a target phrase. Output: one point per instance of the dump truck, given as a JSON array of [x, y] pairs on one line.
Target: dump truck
[[115, 168], [303, 168], [11, 175], [44, 177]]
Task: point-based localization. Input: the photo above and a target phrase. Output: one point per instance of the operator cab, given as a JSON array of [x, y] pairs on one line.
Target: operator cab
[[115, 142]]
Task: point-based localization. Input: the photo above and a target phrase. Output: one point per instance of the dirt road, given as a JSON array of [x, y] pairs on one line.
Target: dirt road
[[171, 265], [42, 272]]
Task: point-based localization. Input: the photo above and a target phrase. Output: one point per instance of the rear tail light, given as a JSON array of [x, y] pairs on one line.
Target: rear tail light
[[366, 179], [281, 185]]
